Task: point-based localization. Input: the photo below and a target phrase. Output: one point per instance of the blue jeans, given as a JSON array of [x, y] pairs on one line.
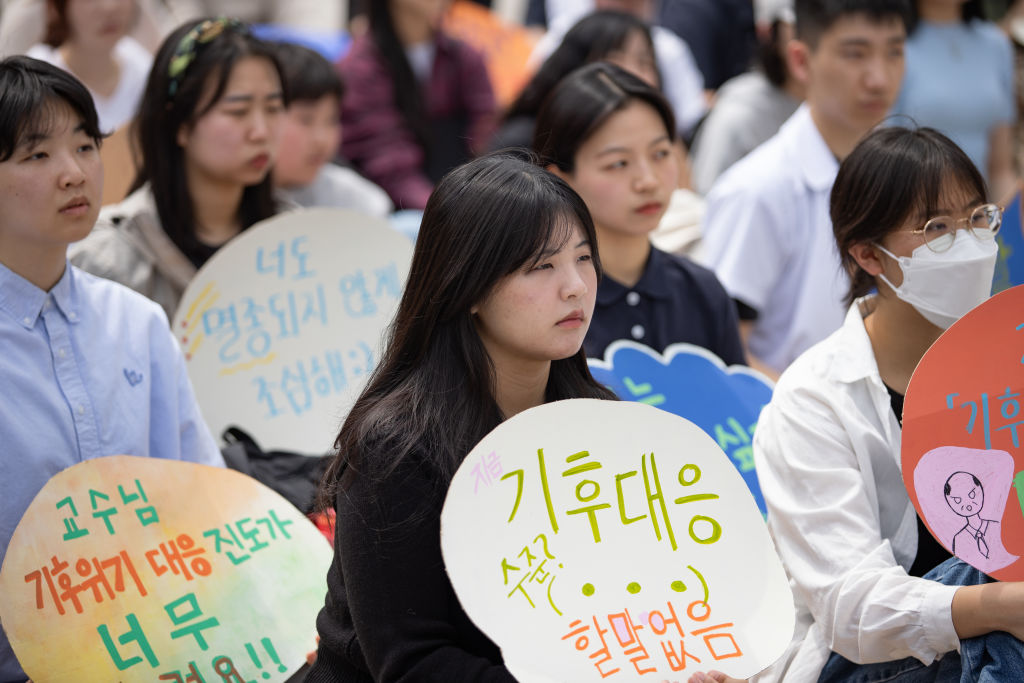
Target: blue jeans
[[996, 657]]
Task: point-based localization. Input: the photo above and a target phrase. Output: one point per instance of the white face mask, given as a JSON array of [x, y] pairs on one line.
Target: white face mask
[[944, 286]]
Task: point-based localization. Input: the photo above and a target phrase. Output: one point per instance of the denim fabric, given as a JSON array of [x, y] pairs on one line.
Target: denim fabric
[[993, 658]]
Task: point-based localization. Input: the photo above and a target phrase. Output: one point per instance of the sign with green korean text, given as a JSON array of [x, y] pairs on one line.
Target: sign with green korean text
[[604, 540], [141, 569]]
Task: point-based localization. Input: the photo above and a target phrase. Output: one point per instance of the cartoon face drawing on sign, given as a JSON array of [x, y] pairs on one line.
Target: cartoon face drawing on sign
[[962, 496], [966, 497]]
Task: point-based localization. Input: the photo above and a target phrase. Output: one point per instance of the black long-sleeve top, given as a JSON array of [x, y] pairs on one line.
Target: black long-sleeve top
[[391, 613]]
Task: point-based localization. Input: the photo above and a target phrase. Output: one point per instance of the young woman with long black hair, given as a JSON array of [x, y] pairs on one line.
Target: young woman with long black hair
[[491, 322], [207, 133]]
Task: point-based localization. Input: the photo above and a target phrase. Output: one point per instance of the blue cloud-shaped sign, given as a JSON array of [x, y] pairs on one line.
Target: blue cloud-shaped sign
[[1010, 266], [694, 383]]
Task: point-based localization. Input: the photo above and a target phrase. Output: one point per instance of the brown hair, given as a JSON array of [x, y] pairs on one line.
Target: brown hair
[[57, 29]]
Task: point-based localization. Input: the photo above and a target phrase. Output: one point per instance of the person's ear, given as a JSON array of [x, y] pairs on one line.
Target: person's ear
[[182, 136], [868, 257], [798, 60], [551, 168]]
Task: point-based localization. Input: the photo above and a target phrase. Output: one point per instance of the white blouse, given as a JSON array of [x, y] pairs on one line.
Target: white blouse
[[827, 450]]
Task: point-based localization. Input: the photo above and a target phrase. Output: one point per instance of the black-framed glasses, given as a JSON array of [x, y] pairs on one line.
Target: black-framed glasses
[[940, 232]]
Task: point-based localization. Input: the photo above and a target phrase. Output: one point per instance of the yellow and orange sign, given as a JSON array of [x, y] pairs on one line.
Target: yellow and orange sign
[[149, 569]]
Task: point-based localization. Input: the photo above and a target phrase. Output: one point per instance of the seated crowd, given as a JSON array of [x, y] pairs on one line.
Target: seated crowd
[[753, 178]]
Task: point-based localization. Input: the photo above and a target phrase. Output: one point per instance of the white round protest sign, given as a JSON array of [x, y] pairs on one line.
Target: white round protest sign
[[282, 326], [602, 540]]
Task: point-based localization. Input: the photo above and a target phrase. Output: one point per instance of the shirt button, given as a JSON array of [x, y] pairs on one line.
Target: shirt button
[[73, 316], [27, 321], [81, 409], [632, 298], [60, 353], [637, 331]]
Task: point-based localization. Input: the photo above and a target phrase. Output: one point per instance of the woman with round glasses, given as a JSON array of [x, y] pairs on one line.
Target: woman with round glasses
[[877, 597]]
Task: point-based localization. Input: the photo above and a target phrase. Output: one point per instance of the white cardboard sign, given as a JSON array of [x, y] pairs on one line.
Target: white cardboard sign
[[603, 540], [282, 326]]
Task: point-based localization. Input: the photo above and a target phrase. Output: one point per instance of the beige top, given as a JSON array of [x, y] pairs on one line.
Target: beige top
[[127, 245]]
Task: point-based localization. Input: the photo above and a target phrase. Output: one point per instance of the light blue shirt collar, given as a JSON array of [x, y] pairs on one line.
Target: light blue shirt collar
[[24, 302]]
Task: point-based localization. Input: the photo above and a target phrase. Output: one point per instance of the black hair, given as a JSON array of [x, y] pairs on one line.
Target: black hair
[[162, 114], [30, 93], [582, 102], [815, 17], [432, 394], [771, 55], [593, 38], [891, 175], [946, 489], [971, 9], [307, 74], [403, 82]]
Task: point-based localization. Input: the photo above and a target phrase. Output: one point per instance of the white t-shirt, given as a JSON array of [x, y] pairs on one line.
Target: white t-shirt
[[343, 188], [768, 237], [120, 107], [827, 450]]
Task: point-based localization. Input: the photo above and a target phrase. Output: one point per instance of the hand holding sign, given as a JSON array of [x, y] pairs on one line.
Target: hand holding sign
[[152, 569], [282, 327], [543, 512], [963, 429]]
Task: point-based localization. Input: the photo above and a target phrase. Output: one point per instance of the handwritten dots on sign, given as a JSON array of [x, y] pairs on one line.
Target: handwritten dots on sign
[[633, 588]]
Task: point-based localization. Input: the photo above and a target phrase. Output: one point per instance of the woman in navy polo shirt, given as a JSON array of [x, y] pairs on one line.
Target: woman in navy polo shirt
[[610, 136]]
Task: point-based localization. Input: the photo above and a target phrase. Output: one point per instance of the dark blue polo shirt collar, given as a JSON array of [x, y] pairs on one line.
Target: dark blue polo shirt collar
[[653, 282]]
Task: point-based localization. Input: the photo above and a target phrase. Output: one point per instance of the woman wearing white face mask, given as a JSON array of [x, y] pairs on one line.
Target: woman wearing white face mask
[[877, 597]]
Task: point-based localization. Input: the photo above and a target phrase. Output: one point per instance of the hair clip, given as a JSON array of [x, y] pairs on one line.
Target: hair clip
[[200, 34]]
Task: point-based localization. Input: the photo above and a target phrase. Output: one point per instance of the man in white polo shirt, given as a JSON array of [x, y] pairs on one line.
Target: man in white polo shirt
[[767, 232]]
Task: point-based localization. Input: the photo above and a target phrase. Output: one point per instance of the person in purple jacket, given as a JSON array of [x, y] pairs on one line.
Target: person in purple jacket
[[418, 102]]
